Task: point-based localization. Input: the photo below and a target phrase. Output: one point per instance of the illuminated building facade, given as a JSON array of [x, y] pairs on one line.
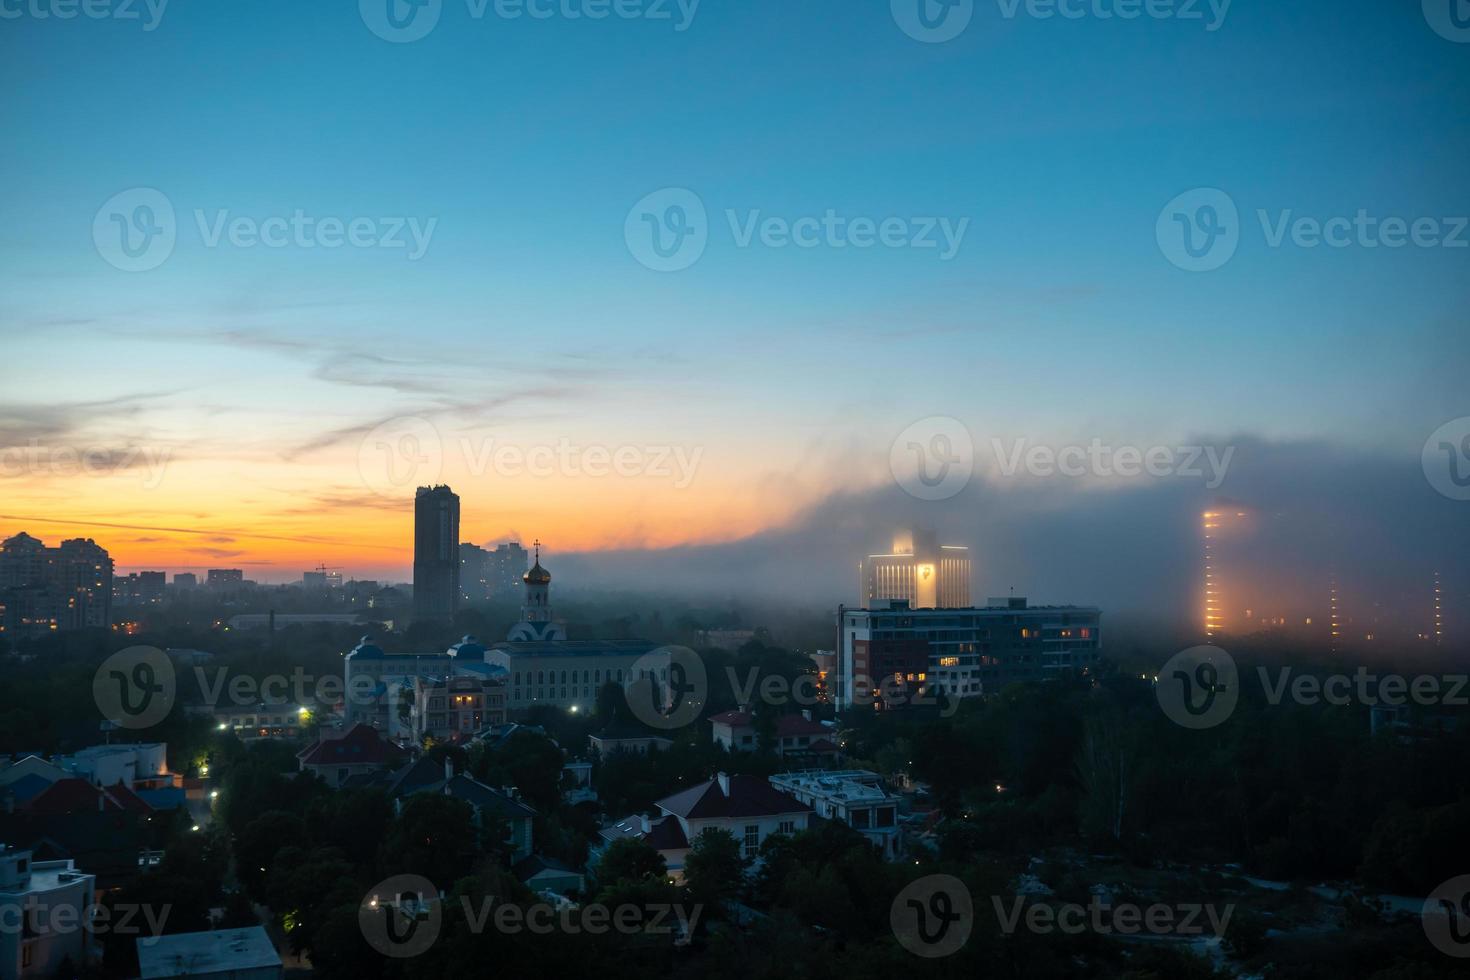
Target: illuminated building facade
[[44, 589], [1247, 586], [919, 571], [893, 654]]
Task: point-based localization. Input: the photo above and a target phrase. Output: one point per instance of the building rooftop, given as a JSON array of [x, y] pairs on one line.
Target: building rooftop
[[746, 796], [853, 784], [193, 953], [361, 745]]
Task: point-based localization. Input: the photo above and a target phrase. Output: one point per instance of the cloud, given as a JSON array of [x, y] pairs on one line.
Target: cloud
[[1369, 520]]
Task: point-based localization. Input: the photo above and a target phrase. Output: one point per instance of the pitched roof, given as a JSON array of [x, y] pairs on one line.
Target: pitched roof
[[482, 797], [362, 746], [425, 774], [529, 867], [70, 795], [26, 787], [664, 834], [749, 796]]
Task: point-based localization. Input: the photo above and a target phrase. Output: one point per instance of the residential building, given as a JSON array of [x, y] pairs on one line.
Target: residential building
[[792, 735], [138, 589], [455, 708], [133, 765], [503, 805], [854, 797], [224, 578], [893, 654], [226, 954], [435, 553], [337, 756], [186, 581], [628, 740], [549, 878], [45, 907], [506, 568], [47, 589], [474, 569], [248, 722], [919, 570], [747, 807]]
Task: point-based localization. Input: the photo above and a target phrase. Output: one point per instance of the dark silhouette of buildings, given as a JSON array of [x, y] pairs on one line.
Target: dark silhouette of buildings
[[435, 553]]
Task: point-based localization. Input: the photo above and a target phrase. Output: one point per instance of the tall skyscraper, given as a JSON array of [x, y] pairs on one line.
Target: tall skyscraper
[[435, 553], [921, 571]]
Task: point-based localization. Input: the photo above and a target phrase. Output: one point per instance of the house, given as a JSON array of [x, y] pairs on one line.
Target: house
[[337, 756], [226, 954], [427, 776], [545, 876], [56, 887], [72, 795], [627, 740], [747, 807], [143, 764], [793, 735], [504, 805], [854, 797]]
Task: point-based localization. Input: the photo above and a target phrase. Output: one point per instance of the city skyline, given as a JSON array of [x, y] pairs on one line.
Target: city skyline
[[486, 341]]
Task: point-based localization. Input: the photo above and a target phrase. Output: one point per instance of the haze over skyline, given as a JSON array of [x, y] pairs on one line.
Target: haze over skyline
[[235, 390]]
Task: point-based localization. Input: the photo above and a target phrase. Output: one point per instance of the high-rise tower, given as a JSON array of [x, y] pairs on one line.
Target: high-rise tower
[[435, 553]]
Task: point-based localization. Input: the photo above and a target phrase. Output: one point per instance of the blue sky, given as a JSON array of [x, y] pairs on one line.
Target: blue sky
[[528, 141]]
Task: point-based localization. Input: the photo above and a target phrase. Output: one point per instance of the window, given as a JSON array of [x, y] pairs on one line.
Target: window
[[752, 840], [883, 817], [860, 819], [787, 827]]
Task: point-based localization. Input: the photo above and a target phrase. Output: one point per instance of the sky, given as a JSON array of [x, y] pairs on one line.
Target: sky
[[237, 383]]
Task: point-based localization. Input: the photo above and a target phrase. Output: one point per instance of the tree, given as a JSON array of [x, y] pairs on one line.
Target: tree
[[1105, 768], [630, 860], [257, 845], [434, 836], [714, 869]]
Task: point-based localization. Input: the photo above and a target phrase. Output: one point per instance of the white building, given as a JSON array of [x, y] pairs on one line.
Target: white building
[[853, 797], [145, 763], [747, 807], [920, 571], [228, 954], [44, 910]]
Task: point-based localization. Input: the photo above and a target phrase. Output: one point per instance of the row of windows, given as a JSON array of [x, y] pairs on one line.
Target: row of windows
[[588, 676]]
